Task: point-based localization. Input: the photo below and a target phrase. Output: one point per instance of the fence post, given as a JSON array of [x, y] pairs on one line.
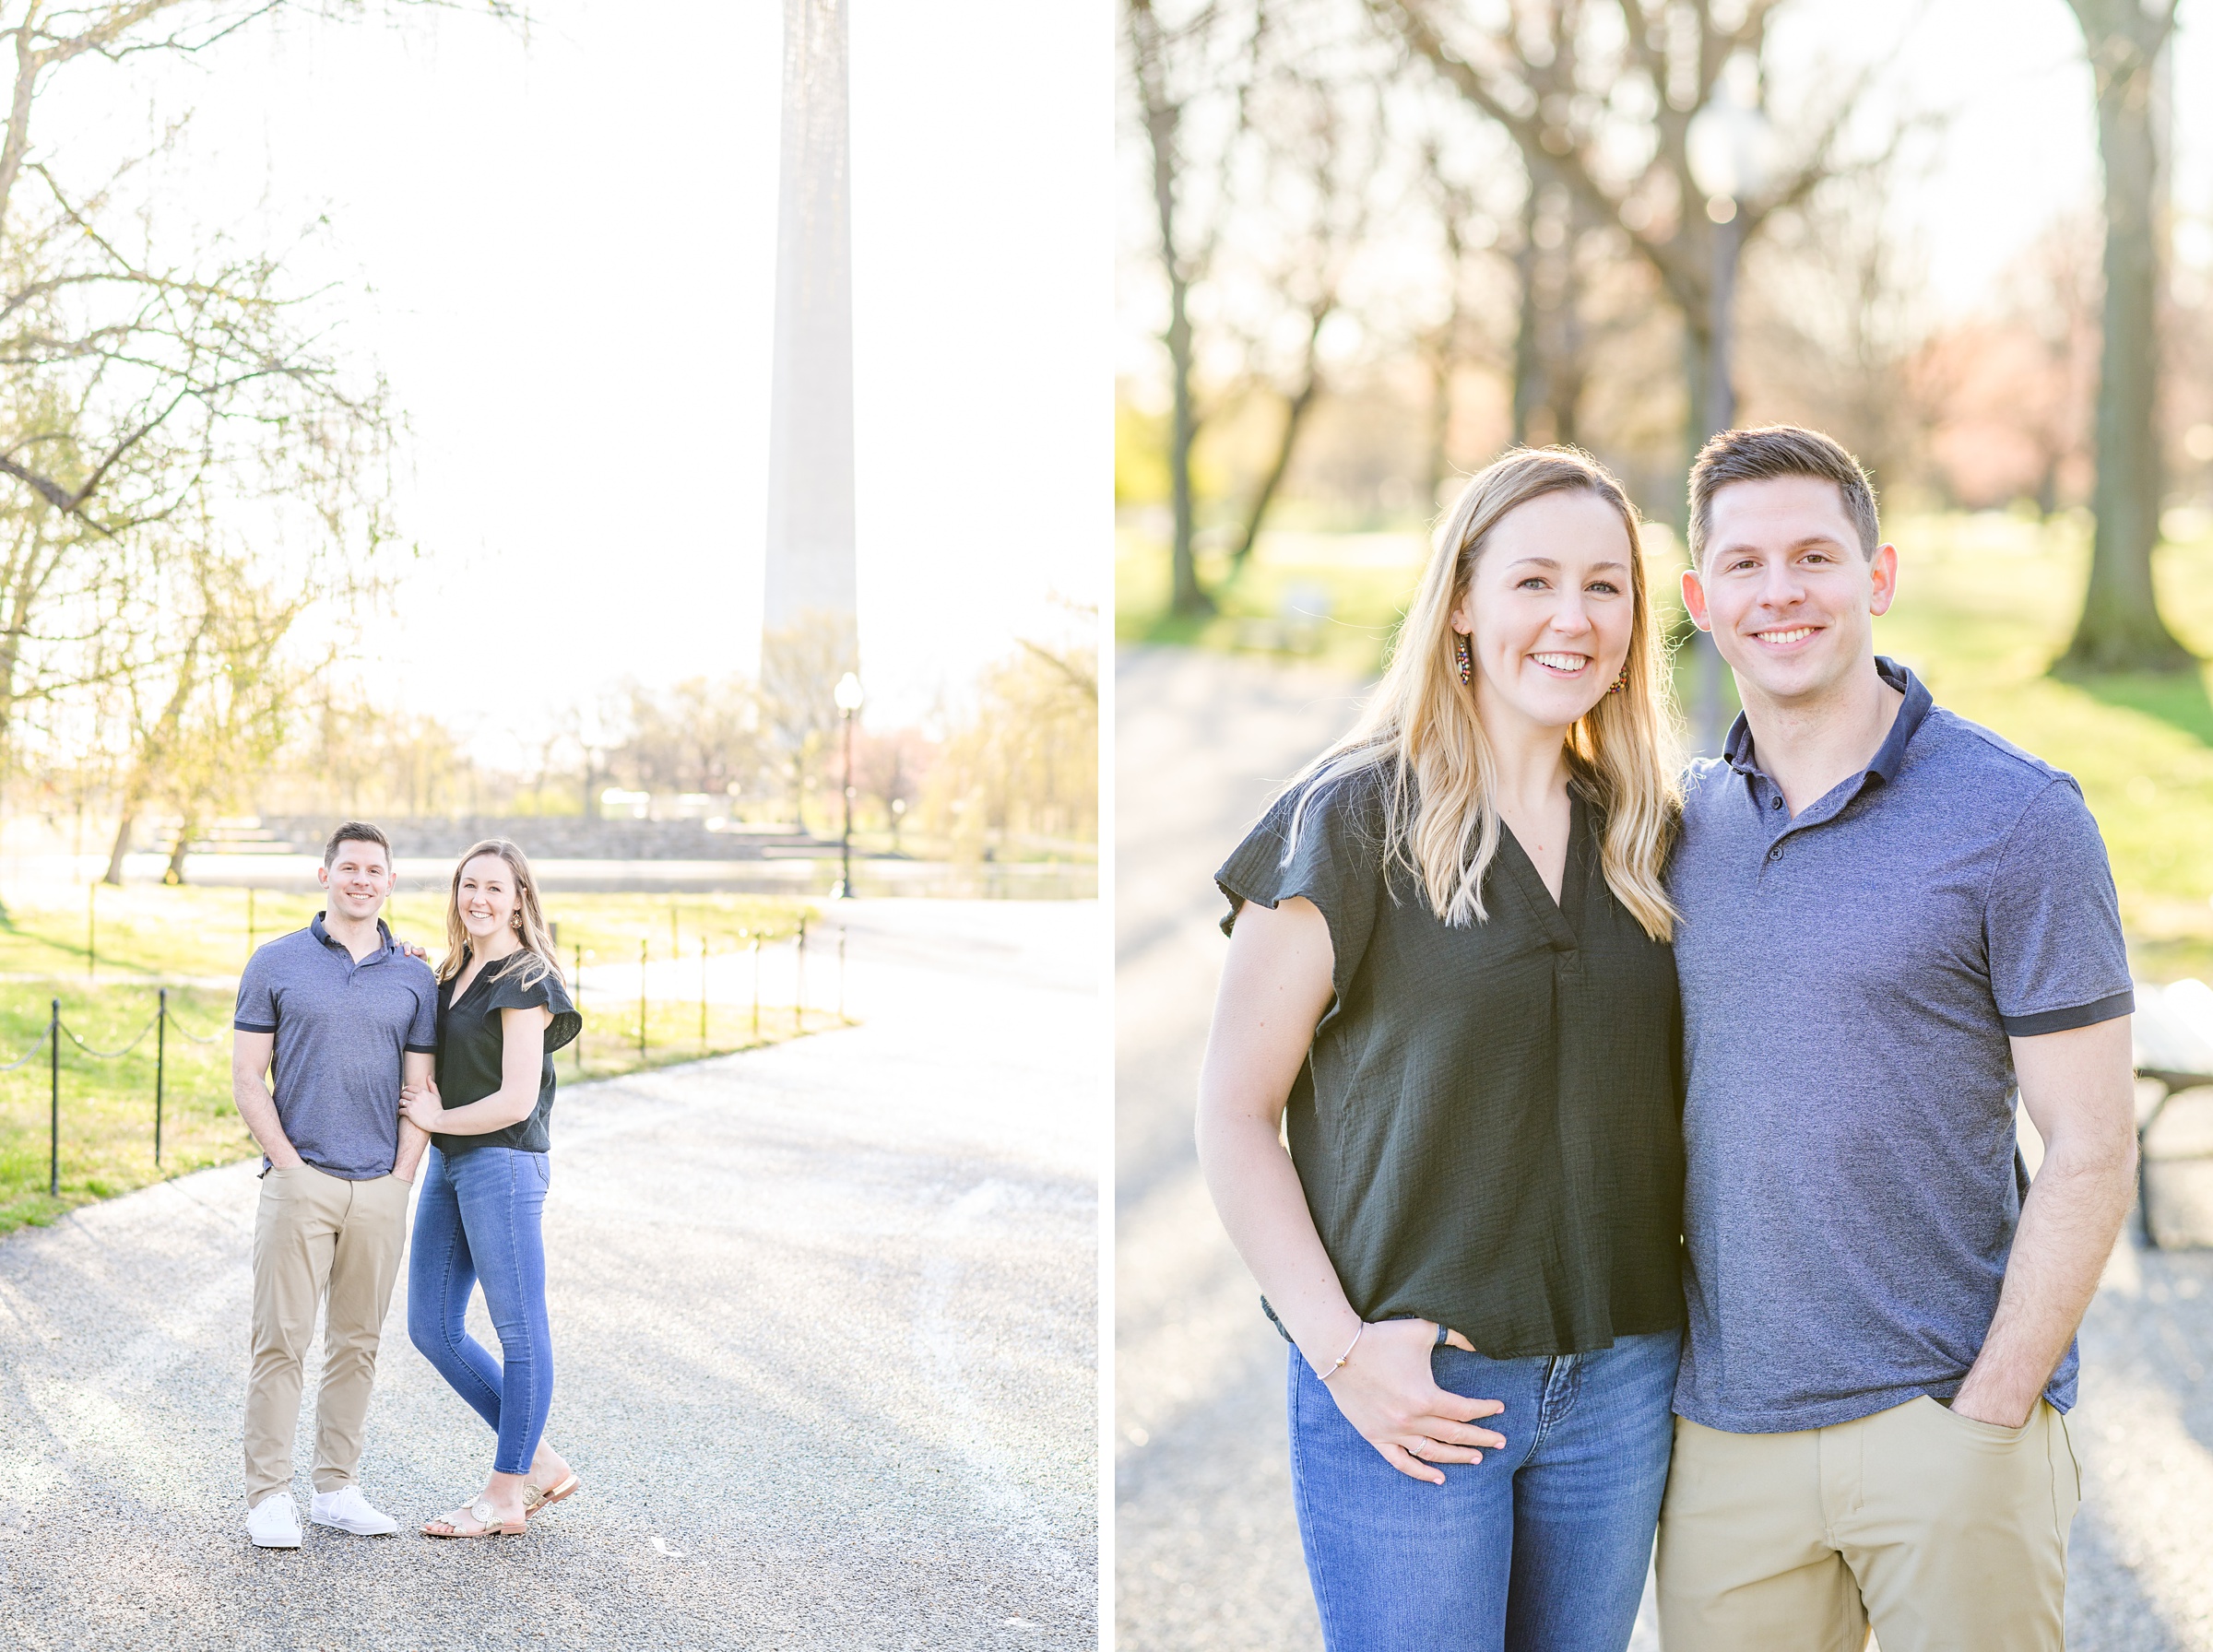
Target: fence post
[[249, 920], [798, 970], [160, 1064], [576, 985], [841, 974], [54, 1101], [756, 989], [640, 1000], [703, 994]]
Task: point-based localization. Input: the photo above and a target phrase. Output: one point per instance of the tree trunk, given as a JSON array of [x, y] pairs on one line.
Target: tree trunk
[[123, 844], [1295, 415], [187, 829], [1529, 350], [1440, 421], [1162, 123], [153, 757], [1708, 414], [2120, 629], [1189, 597]]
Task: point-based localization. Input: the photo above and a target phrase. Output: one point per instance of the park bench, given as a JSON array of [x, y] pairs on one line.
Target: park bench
[[2173, 1032]]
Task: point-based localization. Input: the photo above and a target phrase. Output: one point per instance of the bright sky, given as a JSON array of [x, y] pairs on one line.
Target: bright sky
[[571, 239]]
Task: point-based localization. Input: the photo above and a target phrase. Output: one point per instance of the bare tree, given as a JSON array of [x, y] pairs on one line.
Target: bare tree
[[238, 713], [2120, 629], [1610, 123], [892, 766], [144, 386], [1836, 326], [699, 736], [1181, 71], [1454, 337], [1320, 135], [1024, 759], [800, 668]]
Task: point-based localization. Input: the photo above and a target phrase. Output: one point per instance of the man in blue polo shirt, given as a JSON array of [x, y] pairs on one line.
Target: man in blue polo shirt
[[1892, 920], [347, 1016]]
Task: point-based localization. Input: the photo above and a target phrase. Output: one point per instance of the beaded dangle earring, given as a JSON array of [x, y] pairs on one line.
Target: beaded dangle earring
[[1463, 658], [1622, 682]]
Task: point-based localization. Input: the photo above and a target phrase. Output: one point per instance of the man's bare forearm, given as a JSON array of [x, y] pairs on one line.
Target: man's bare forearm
[[2068, 1223], [413, 1142], [258, 1108], [416, 1069]]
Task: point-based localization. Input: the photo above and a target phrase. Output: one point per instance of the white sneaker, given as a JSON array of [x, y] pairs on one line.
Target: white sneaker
[[347, 1510], [274, 1522]]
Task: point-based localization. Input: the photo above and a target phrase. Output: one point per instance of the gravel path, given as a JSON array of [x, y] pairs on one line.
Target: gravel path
[[1207, 1553], [825, 1319]]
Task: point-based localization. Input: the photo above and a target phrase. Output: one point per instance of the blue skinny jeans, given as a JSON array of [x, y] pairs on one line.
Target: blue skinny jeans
[[476, 1220], [1542, 1547]]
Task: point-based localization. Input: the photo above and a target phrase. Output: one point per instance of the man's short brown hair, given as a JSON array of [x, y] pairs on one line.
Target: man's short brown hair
[[1778, 450], [356, 832]]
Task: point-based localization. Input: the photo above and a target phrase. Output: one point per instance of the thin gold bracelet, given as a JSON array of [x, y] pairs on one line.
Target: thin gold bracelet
[[1347, 1354]]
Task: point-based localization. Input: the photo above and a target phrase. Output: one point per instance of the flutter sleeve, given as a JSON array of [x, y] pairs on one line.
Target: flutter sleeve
[[514, 989], [1331, 851]]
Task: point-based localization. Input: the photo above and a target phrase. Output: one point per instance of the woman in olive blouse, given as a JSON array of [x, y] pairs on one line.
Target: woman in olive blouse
[[502, 1011], [1449, 987]]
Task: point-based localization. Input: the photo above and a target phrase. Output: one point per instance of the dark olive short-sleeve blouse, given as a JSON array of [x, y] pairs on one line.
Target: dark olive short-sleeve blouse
[[472, 1046], [1489, 1126]]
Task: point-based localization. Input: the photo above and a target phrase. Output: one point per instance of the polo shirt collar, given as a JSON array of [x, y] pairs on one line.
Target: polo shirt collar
[[1737, 748], [1910, 715], [384, 936]]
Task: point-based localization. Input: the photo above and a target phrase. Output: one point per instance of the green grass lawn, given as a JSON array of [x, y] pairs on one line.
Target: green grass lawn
[[1986, 603], [107, 959]]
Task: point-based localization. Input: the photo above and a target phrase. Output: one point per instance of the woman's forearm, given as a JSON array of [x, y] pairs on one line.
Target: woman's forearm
[[1264, 1209], [495, 1112], [1275, 984]]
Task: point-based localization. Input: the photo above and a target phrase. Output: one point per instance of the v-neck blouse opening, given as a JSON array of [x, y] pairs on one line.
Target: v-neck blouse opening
[[1574, 869], [1488, 1127]]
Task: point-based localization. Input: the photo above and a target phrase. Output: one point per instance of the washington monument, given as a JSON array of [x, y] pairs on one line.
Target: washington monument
[[810, 578]]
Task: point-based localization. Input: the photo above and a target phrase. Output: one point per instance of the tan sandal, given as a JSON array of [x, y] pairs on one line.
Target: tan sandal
[[479, 1511], [535, 1500]]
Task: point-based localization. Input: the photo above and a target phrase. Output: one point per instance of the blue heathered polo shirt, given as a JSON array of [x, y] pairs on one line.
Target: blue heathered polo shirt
[[1851, 979], [341, 1027]]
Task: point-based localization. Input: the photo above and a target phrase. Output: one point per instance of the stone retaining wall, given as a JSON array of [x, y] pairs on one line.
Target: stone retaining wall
[[543, 837]]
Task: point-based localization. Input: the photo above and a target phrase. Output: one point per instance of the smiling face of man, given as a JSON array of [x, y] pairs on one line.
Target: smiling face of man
[[358, 878], [1786, 588]]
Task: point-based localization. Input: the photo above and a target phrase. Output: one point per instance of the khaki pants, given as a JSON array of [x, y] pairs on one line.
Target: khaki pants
[[1943, 1532], [314, 1231]]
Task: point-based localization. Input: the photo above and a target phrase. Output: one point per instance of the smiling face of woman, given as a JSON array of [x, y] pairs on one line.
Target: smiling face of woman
[[1549, 610], [486, 897]]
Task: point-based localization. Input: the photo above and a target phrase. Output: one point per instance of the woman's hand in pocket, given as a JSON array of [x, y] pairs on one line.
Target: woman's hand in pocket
[[1386, 1391]]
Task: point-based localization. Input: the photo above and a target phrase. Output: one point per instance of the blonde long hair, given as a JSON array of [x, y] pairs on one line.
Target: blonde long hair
[[542, 958], [1420, 727]]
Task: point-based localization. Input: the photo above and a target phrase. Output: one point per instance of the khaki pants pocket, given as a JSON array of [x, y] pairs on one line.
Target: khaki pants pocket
[[1955, 1540]]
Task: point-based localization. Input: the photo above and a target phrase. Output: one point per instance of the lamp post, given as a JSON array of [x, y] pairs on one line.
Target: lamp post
[[1728, 144], [848, 696]]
